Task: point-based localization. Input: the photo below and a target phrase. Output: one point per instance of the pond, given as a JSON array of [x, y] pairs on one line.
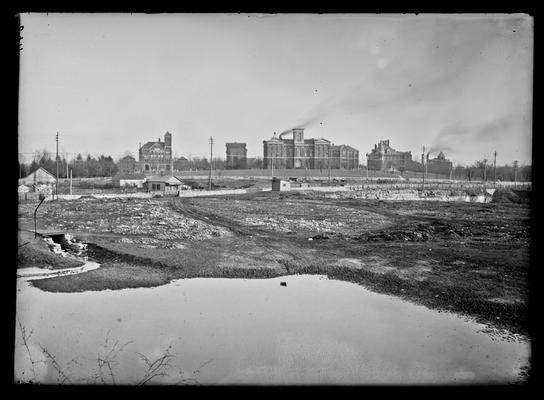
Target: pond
[[313, 330]]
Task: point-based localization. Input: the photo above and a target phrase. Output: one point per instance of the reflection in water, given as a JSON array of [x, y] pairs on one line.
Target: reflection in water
[[236, 331]]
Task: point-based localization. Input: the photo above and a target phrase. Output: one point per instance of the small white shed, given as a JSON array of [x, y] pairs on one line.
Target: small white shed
[[280, 185]]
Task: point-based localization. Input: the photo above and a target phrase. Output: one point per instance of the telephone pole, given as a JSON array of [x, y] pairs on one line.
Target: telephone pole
[[425, 167], [211, 155], [495, 167], [329, 163], [57, 180]]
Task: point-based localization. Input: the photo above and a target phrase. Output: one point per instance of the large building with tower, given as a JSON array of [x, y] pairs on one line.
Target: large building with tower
[[297, 152], [236, 156], [156, 157]]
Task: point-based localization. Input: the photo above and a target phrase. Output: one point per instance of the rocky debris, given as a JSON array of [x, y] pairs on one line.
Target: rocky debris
[[285, 224], [149, 217], [507, 195], [320, 237], [54, 247], [73, 245], [423, 232]]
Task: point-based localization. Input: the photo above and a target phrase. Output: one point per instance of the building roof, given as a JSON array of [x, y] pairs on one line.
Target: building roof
[[384, 148], [340, 146], [38, 175], [171, 180], [148, 145]]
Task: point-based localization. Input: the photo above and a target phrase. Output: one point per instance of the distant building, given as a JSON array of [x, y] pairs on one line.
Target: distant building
[[127, 164], [168, 185], [123, 179], [344, 157], [297, 152], [39, 176], [439, 165], [181, 164], [384, 157], [236, 156], [156, 157]]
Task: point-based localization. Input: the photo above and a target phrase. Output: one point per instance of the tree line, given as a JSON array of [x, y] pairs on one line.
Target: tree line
[[481, 170], [80, 167]]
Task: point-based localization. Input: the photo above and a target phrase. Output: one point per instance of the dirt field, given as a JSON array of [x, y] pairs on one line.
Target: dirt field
[[471, 258]]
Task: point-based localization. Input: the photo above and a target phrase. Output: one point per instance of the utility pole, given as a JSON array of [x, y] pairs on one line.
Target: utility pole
[[329, 163], [70, 181], [495, 167], [57, 180], [211, 155], [425, 167], [516, 172]]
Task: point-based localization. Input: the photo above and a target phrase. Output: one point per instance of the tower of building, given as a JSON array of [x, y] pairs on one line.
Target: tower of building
[[168, 146]]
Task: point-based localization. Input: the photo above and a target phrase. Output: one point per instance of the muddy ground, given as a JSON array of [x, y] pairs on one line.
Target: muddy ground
[[471, 258]]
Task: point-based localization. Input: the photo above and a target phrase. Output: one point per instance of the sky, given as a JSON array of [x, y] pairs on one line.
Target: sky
[[457, 83]]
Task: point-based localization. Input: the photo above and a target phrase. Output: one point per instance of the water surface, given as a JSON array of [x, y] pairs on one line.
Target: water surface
[[255, 331]]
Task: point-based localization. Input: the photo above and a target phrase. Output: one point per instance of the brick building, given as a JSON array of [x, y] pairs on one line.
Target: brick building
[[384, 157], [297, 152], [156, 157], [236, 156]]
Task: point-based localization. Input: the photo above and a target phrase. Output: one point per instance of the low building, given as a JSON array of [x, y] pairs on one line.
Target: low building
[[236, 156], [280, 185], [129, 180], [39, 176], [167, 185]]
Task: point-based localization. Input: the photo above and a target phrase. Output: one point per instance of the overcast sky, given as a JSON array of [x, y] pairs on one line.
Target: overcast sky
[[107, 82]]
